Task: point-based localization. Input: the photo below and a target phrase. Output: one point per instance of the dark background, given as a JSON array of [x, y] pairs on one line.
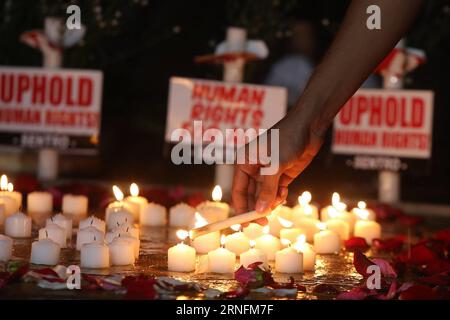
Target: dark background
[[140, 44]]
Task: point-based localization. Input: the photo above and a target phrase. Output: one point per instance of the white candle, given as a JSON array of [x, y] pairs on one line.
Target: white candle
[[288, 260], [253, 231], [134, 198], [181, 257], [153, 215], [120, 205], [221, 260], [54, 232], [126, 228], [63, 222], [253, 255], [305, 209], [326, 241], [76, 205], [94, 255], [275, 225], [214, 210], [362, 213], [208, 242], [335, 207], [6, 244], [237, 242], [40, 202], [367, 229], [268, 244], [2, 212], [45, 251], [111, 236], [181, 215], [309, 227], [88, 235], [18, 225], [119, 217], [93, 221], [309, 255], [288, 232], [11, 199], [341, 227], [121, 252]]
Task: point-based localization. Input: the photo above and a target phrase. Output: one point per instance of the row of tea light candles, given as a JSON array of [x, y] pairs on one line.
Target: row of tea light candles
[[254, 242]]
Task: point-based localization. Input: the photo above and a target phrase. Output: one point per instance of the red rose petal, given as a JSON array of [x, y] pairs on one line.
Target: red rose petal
[[354, 294], [443, 235], [361, 263], [418, 292], [356, 244], [441, 279], [394, 244], [325, 288]]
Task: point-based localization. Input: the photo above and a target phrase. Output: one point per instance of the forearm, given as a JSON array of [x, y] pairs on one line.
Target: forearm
[[353, 55]]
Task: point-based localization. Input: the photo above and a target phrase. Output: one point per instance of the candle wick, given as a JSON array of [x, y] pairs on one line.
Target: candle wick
[[92, 221], [118, 223], [95, 238], [128, 228], [46, 233]]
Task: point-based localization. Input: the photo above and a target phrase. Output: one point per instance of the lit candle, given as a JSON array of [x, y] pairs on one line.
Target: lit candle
[[94, 255], [126, 228], [5, 248], [309, 227], [111, 236], [361, 210], [154, 215], [120, 205], [288, 260], [181, 257], [253, 255], [63, 222], [326, 241], [237, 242], [208, 242], [10, 199], [309, 255], [2, 212], [367, 229], [93, 221], [136, 199], [274, 221], [339, 226], [54, 232], [75, 205], [181, 215], [305, 209], [253, 231], [215, 210], [40, 202], [45, 251], [288, 232], [336, 206], [221, 260], [121, 252], [18, 225], [268, 244], [88, 235]]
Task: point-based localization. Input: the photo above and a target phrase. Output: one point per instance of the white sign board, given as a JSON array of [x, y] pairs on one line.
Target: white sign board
[[223, 105], [394, 123]]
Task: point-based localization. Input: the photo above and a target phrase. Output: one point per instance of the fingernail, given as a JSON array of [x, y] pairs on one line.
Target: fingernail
[[261, 206]]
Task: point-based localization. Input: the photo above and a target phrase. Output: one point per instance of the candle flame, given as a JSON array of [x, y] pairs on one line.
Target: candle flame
[[217, 193], [363, 214], [222, 240], [199, 220], [362, 205], [182, 234], [134, 189], [286, 242], [10, 187], [4, 182], [308, 210], [285, 223], [301, 239], [252, 243], [266, 229], [305, 198], [117, 193], [321, 225], [236, 227], [335, 199]]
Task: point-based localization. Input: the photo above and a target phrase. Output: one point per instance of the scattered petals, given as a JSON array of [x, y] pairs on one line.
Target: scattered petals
[[356, 244], [354, 294], [418, 292], [361, 263], [325, 288], [386, 269], [254, 276], [394, 244]]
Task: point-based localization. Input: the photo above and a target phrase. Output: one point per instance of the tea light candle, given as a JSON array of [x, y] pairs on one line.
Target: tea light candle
[[54, 232], [309, 227], [274, 224], [208, 242], [121, 252], [153, 215], [120, 205], [119, 217], [111, 236], [2, 212], [367, 229], [309, 255], [93, 221], [335, 207], [326, 241], [362, 211], [5, 248], [215, 210], [126, 228], [40, 202], [288, 260], [63, 222], [45, 251], [76, 205], [288, 232], [253, 231], [12, 199], [237, 242], [268, 244], [181, 257], [253, 255], [88, 235], [134, 198], [305, 209], [221, 260], [18, 225], [340, 227], [181, 215], [94, 255]]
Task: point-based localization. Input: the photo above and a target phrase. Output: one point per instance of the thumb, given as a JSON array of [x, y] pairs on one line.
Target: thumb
[[268, 190]]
